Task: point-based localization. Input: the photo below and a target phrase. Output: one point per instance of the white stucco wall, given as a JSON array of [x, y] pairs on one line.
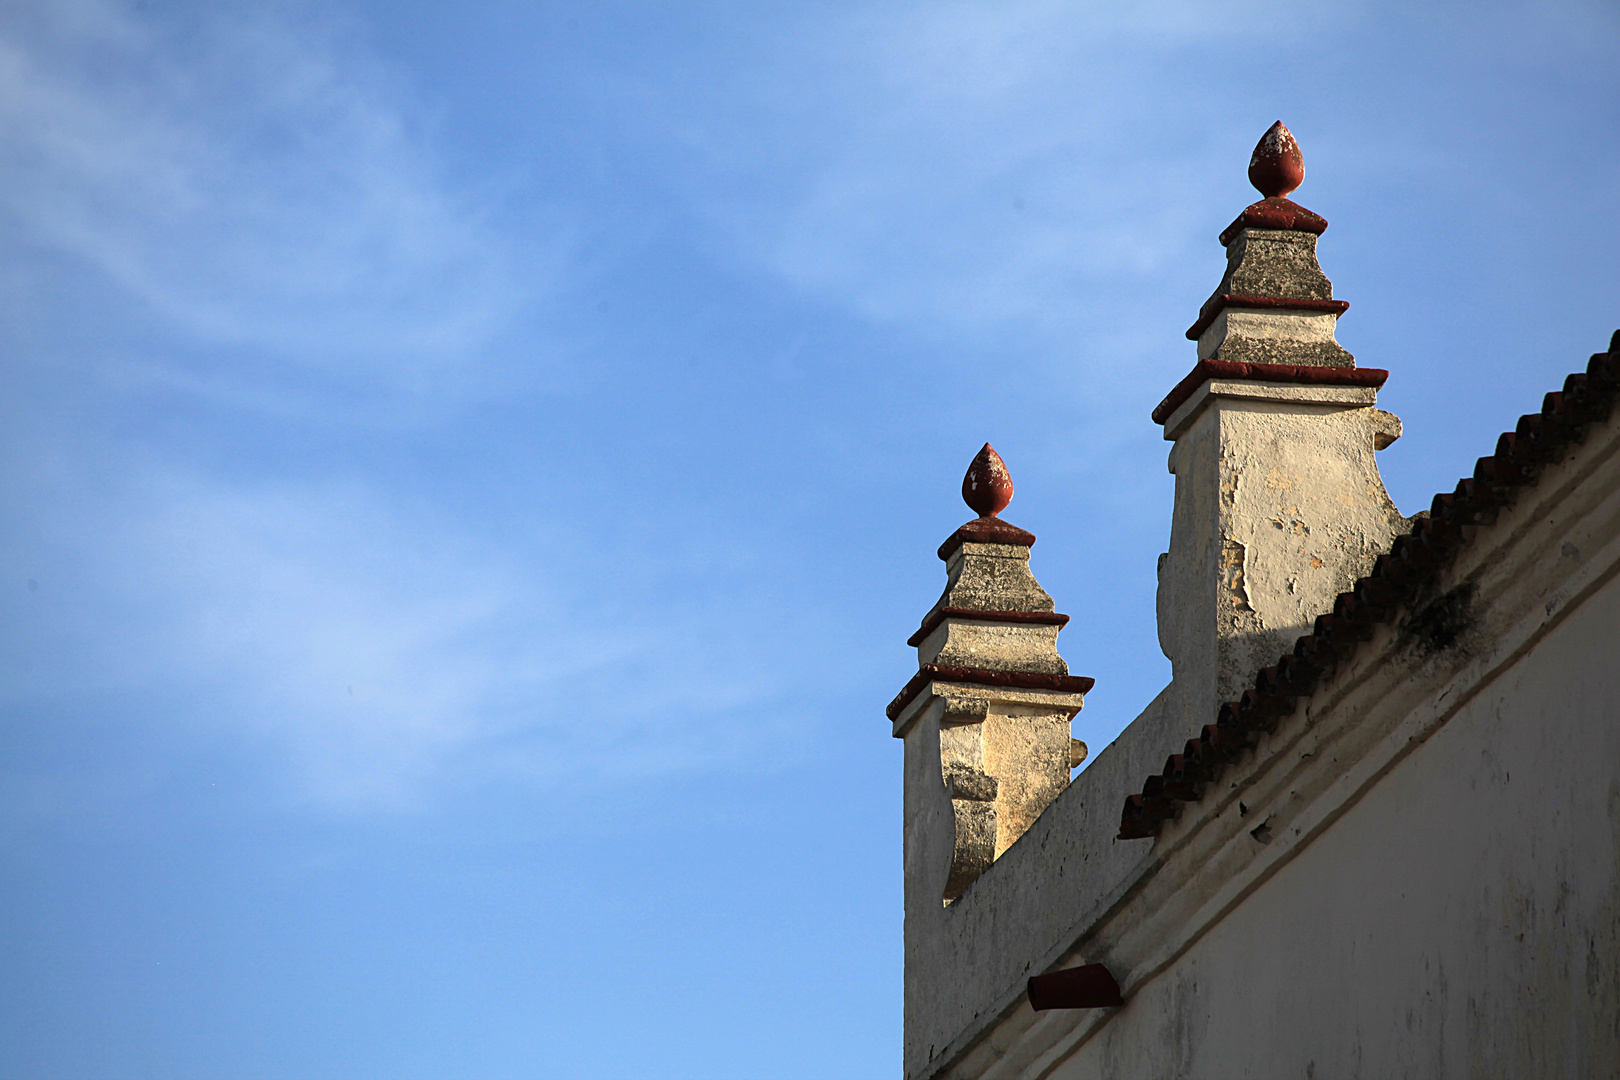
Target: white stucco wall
[[1436, 891], [1462, 919]]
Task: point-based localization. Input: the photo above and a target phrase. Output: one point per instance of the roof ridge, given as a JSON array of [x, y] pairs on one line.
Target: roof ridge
[[1413, 560]]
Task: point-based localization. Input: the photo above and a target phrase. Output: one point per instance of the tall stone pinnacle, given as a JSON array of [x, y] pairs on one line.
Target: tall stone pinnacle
[[1279, 503]]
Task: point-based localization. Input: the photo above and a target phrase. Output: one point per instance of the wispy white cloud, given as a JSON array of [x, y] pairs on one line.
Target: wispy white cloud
[[961, 167], [271, 192], [966, 165], [376, 649], [258, 184]]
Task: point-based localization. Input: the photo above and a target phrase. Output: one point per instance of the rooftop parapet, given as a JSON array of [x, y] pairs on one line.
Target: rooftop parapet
[[1283, 545], [1278, 507]]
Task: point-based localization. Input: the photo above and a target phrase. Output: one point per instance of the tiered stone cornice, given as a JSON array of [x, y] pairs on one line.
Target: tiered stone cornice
[[986, 717], [1274, 305]]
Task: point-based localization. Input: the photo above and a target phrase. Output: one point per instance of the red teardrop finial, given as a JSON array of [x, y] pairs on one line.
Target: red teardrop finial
[[987, 488], [1276, 167]]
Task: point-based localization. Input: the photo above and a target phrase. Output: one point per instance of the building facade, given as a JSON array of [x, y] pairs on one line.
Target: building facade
[[1372, 825]]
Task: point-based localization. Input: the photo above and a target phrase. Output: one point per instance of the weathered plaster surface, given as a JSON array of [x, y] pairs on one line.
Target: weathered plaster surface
[[1263, 331], [1417, 873], [982, 762], [1279, 508], [1274, 262], [997, 646], [1463, 919], [992, 577], [967, 962]]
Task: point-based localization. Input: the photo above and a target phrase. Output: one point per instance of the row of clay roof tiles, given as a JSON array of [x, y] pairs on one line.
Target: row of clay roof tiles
[[1396, 582]]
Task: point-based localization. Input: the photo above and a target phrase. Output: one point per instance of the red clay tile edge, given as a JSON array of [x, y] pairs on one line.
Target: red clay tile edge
[[939, 615], [1395, 584], [986, 530], [1277, 213], [1205, 370], [1216, 304], [1023, 680]]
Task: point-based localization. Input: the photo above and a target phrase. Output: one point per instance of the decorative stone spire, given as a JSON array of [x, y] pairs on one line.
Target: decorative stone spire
[[1274, 306], [986, 718], [1279, 505]]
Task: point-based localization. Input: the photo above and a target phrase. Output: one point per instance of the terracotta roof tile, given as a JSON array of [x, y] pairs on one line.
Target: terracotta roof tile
[[1396, 579], [1278, 213]]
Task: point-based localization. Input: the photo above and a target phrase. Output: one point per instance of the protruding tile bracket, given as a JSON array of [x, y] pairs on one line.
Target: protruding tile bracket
[[1088, 987]]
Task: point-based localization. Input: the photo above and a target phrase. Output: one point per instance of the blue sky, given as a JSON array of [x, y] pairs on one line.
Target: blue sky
[[471, 470]]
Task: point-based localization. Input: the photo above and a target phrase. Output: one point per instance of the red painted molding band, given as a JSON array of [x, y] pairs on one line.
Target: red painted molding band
[[1216, 304], [986, 530], [1276, 213], [939, 615], [1022, 680], [1205, 370]]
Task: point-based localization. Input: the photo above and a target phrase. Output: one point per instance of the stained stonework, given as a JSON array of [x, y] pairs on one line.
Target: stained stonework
[[1297, 327], [986, 719], [1279, 507], [1274, 263], [1371, 826]]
